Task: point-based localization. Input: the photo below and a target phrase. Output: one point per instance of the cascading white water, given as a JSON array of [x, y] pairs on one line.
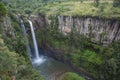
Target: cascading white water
[[25, 34], [38, 59], [50, 68], [34, 40]]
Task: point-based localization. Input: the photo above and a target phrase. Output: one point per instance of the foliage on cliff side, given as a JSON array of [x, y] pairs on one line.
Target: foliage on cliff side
[[116, 3], [3, 10], [100, 62], [12, 65], [14, 61]]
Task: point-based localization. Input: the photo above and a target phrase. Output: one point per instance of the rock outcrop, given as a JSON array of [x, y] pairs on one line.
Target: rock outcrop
[[7, 27], [97, 29]]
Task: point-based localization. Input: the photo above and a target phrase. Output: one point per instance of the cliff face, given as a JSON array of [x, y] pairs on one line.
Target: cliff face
[[7, 29], [98, 30], [39, 21]]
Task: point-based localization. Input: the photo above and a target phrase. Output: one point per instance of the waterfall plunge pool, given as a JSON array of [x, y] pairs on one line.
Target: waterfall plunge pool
[[52, 69]]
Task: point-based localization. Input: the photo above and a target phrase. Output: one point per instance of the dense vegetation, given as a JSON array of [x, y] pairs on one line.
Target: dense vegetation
[[72, 76], [102, 8], [2, 10], [100, 62], [94, 59], [14, 61], [14, 66]]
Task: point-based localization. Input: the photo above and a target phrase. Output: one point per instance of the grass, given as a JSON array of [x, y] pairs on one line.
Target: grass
[[70, 8], [72, 76]]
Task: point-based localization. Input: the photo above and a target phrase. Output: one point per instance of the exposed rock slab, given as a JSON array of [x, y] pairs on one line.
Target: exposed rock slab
[[98, 30]]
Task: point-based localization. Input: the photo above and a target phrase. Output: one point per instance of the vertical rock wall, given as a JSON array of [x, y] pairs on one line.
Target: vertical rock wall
[[7, 27], [98, 30]]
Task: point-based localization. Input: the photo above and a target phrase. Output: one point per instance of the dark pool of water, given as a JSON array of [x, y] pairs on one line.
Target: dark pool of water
[[51, 69]]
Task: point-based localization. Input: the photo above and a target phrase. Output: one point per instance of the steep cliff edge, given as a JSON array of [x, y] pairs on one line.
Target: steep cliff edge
[[100, 30], [7, 27], [79, 41]]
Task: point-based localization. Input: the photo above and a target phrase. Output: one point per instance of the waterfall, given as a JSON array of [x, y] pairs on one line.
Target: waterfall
[[25, 34], [34, 40], [38, 59]]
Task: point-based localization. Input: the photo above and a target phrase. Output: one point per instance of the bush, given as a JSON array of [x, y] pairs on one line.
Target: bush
[[91, 57], [72, 76], [7, 62], [116, 3], [13, 65], [3, 10]]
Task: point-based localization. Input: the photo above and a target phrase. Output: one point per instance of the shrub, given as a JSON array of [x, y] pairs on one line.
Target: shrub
[[3, 10], [72, 76]]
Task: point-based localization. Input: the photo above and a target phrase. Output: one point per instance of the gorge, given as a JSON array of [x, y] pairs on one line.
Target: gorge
[[60, 50], [50, 68], [59, 40], [64, 26]]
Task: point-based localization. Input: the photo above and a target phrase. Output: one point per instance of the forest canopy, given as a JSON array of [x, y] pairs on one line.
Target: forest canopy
[[3, 10]]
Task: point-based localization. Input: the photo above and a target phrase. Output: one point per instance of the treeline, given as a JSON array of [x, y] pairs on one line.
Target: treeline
[[42, 6]]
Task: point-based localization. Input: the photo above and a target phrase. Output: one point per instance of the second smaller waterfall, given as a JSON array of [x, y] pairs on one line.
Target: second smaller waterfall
[[25, 34], [38, 59]]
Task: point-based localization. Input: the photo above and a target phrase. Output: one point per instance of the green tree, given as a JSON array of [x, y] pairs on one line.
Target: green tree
[[14, 65], [116, 3], [96, 3], [72, 76], [8, 62], [28, 11], [3, 10], [111, 69]]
